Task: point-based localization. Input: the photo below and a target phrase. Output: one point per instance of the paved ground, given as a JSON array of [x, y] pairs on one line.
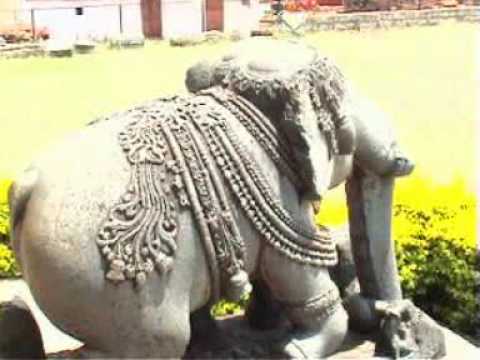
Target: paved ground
[[54, 340], [357, 347]]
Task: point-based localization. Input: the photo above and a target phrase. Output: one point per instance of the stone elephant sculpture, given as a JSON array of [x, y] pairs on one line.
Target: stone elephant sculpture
[[134, 226]]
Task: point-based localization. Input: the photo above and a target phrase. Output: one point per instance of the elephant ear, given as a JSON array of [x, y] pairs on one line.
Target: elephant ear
[[331, 99], [289, 83]]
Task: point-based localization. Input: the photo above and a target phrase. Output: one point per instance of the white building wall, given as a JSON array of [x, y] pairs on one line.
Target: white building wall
[[61, 23], [132, 19], [181, 17], [97, 22], [241, 15], [11, 12]]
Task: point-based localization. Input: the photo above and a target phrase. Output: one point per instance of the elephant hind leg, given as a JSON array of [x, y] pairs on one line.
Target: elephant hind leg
[[263, 311], [207, 336], [150, 332]]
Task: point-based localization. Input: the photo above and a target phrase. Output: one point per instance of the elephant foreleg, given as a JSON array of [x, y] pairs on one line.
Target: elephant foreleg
[[311, 302], [369, 200]]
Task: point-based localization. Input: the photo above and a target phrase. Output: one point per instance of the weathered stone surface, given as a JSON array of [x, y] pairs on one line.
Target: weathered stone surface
[[387, 19], [355, 346], [199, 76], [344, 273], [371, 238], [20, 336], [235, 340], [53, 339], [407, 331]]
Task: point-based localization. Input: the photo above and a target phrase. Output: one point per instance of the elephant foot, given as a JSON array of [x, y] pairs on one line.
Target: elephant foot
[[363, 315], [305, 341], [406, 331]]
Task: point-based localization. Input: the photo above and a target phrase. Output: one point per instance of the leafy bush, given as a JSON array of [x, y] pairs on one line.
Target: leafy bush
[[4, 212], [8, 265], [437, 266], [435, 231], [224, 307], [4, 223]]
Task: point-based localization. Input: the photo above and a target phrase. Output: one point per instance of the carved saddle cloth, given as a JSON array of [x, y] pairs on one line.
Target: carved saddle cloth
[[184, 155]]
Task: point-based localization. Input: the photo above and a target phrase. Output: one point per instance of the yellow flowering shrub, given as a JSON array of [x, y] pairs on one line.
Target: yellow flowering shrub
[[224, 307], [434, 228], [435, 238], [8, 265], [4, 213], [437, 264]]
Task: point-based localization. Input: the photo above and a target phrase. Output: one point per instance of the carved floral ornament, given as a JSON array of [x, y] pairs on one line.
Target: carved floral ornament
[[184, 154]]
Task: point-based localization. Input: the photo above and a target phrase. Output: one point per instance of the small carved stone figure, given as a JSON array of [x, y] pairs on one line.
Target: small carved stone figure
[[145, 219]]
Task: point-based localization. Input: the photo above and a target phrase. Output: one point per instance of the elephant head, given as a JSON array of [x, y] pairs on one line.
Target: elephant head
[[300, 91]]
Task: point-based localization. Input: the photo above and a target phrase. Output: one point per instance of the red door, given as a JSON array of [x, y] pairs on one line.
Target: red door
[[214, 13], [151, 18]]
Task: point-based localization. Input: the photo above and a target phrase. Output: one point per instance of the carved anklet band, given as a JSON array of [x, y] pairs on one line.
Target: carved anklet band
[[315, 310]]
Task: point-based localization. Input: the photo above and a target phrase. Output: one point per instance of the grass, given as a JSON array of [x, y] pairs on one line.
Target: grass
[[423, 77]]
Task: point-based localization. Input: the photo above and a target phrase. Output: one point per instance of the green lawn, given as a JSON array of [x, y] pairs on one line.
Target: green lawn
[[424, 77]]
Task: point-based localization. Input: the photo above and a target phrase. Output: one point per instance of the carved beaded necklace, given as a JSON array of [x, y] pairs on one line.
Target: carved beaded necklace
[[184, 154]]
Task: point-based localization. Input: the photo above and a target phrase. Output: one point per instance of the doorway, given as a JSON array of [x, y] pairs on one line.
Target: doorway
[[151, 18], [214, 15]]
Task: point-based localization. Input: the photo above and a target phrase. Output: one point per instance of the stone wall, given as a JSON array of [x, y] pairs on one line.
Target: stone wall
[[386, 19], [10, 51]]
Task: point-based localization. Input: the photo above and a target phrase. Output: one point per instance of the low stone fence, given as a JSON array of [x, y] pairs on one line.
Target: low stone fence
[[21, 50], [386, 19]]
